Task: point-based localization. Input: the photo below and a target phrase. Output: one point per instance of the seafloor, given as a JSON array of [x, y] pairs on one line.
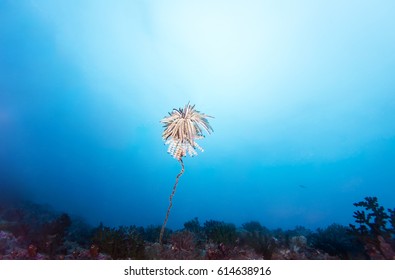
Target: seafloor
[[32, 231]]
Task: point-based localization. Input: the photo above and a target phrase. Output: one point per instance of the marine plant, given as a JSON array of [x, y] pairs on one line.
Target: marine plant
[[392, 219], [182, 127], [284, 237], [259, 238], [151, 233], [336, 241], [373, 222], [47, 237], [373, 230], [195, 227], [220, 232], [120, 243]]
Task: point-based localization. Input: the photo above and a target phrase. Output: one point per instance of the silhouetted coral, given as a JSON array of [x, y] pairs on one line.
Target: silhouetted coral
[[151, 234], [194, 227], [51, 236], [80, 232], [29, 231], [121, 243], [259, 238], [372, 228], [336, 241], [220, 232]]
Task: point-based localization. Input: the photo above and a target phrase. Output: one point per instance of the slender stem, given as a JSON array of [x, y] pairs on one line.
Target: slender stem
[[171, 201]]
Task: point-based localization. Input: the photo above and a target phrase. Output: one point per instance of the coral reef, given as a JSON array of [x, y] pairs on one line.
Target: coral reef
[[259, 238], [182, 246], [120, 243], [35, 232], [336, 241], [220, 232], [298, 243], [151, 234], [50, 238], [193, 226]]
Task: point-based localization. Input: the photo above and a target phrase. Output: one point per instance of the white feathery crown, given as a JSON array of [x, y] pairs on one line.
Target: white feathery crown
[[182, 128]]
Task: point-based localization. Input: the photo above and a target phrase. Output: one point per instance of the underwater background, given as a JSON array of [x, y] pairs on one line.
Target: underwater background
[[302, 95]]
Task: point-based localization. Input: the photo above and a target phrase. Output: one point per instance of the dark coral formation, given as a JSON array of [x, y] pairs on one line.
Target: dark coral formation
[[220, 232], [123, 243], [337, 242], [31, 231], [375, 228], [259, 238]]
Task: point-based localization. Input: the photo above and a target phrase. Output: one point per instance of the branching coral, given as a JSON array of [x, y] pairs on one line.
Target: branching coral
[[220, 232], [336, 241], [373, 230], [259, 238], [120, 243], [373, 222], [182, 128]]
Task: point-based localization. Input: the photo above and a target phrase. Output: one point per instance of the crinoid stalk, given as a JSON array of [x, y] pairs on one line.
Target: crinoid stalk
[[182, 127]]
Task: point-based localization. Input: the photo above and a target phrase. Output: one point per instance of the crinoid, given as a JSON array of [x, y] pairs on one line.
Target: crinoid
[[182, 127]]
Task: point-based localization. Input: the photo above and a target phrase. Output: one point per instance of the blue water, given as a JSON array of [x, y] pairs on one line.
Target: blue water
[[302, 94]]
